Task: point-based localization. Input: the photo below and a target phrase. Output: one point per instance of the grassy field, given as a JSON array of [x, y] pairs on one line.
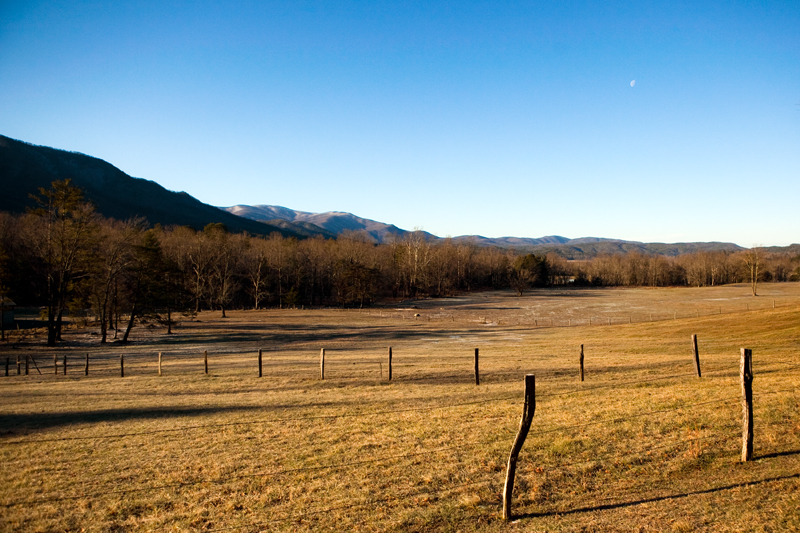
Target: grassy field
[[642, 444]]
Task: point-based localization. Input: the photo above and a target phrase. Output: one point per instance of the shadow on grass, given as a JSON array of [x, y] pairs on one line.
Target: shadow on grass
[[622, 505], [14, 424], [778, 454]]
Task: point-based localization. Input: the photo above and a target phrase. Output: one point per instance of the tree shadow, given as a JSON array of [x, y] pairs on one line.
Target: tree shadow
[[621, 505], [20, 423]]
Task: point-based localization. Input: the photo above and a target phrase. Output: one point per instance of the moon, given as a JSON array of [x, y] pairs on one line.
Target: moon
[[633, 82]]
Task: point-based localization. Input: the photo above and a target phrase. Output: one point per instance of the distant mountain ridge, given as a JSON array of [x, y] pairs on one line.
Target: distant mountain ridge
[[25, 167], [338, 222], [335, 222]]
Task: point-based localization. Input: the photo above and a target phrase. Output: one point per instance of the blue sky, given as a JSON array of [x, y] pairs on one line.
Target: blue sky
[[491, 118]]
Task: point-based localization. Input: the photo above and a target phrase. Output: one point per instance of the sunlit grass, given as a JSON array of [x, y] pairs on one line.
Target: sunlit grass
[[642, 444]]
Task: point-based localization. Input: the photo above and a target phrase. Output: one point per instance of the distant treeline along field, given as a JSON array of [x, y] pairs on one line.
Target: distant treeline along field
[[67, 259]]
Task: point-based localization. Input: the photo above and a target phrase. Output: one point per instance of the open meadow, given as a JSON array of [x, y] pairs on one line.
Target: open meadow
[[643, 444]]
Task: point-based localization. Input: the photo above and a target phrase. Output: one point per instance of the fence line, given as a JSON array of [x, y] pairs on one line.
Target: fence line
[[264, 421], [623, 418], [721, 436], [379, 413]]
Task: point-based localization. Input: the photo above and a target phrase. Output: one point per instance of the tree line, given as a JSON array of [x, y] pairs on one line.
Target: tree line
[[67, 259]]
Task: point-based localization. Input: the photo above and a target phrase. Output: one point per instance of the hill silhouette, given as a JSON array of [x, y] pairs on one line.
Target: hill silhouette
[[24, 168]]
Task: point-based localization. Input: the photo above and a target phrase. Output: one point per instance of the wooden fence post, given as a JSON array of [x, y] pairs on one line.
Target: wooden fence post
[[259, 363], [205, 360], [159, 364], [19, 368], [86, 368], [524, 426], [322, 363], [477, 369], [746, 375], [696, 355], [27, 364], [390, 363], [7, 366], [55, 364], [122, 365], [36, 366], [65, 364], [581, 362]]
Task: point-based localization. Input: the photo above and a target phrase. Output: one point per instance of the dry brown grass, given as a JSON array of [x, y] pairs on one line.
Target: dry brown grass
[[641, 445]]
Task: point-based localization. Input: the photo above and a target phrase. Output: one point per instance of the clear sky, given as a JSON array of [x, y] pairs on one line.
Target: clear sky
[[492, 118]]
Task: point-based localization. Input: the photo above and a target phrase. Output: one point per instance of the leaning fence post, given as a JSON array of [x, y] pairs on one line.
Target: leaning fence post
[[390, 363], [746, 375], [205, 359], [159, 364], [322, 363], [581, 362], [524, 426], [477, 370], [86, 368], [259, 362], [696, 355], [122, 365]]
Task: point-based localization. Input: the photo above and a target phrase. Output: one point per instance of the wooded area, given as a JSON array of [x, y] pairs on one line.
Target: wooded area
[[66, 258]]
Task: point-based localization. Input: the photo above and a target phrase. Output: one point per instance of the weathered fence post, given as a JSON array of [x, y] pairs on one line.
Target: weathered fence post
[[746, 374], [55, 364], [65, 364], [159, 364], [86, 368], [19, 367], [524, 426], [205, 360], [122, 365], [696, 355], [7, 366], [390, 363], [27, 363], [477, 369], [259, 362], [581, 362], [322, 363]]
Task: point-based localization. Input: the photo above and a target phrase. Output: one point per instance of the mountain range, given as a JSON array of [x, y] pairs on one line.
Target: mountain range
[[24, 168], [338, 222]]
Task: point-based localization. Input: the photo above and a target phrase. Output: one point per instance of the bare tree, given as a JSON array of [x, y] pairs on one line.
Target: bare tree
[[117, 240], [63, 235], [752, 260]]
